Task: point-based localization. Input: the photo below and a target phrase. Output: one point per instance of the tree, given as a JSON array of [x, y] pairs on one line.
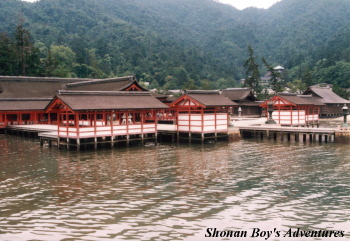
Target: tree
[[64, 59], [297, 86], [26, 54], [276, 77], [344, 93], [206, 84], [252, 71], [49, 64], [7, 56], [181, 75], [224, 83], [189, 85], [170, 83], [307, 77]]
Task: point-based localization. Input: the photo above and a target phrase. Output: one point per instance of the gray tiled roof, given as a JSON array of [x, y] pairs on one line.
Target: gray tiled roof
[[210, 98], [23, 104], [109, 100], [327, 96]]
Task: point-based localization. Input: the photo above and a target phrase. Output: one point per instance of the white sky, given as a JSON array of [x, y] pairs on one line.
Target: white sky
[[239, 4], [242, 4]]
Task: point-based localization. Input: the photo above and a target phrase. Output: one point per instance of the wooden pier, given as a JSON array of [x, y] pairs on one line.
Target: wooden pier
[[189, 137], [293, 134], [94, 141], [29, 130], [49, 134]]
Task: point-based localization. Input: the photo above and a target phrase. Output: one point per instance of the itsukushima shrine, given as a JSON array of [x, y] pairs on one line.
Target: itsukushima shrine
[[294, 110], [89, 112], [197, 115], [98, 117], [90, 117]]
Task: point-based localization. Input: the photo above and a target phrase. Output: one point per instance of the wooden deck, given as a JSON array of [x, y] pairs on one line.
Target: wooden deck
[[30, 129], [298, 134], [186, 133], [289, 129], [49, 134]]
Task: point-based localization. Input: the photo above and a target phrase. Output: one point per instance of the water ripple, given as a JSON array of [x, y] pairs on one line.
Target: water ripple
[[171, 192]]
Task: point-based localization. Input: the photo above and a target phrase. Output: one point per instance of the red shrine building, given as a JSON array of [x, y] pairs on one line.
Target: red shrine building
[[23, 99], [113, 114], [199, 112], [294, 110]]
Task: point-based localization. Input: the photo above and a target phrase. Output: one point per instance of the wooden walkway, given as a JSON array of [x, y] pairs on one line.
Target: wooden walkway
[[49, 134], [299, 134], [30, 129], [171, 133]]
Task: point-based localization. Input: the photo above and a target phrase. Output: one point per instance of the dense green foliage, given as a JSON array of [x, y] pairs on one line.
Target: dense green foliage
[[182, 43]]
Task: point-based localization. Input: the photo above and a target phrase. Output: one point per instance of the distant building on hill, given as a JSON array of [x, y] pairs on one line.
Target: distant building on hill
[[279, 68], [265, 80]]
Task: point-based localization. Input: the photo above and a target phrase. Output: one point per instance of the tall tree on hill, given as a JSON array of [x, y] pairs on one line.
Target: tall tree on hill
[[26, 54], [252, 71], [7, 55]]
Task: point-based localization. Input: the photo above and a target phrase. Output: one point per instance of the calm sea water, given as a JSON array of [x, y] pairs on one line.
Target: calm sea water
[[172, 192]]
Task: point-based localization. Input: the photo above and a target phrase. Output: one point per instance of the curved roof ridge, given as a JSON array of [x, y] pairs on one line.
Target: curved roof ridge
[[202, 92], [40, 79], [98, 81], [25, 99], [124, 93]]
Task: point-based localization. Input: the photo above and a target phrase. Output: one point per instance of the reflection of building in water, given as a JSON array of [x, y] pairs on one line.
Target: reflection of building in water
[[199, 164], [4, 146], [83, 174]]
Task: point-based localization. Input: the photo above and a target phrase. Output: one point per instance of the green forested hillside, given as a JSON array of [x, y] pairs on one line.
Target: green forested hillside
[[182, 43]]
